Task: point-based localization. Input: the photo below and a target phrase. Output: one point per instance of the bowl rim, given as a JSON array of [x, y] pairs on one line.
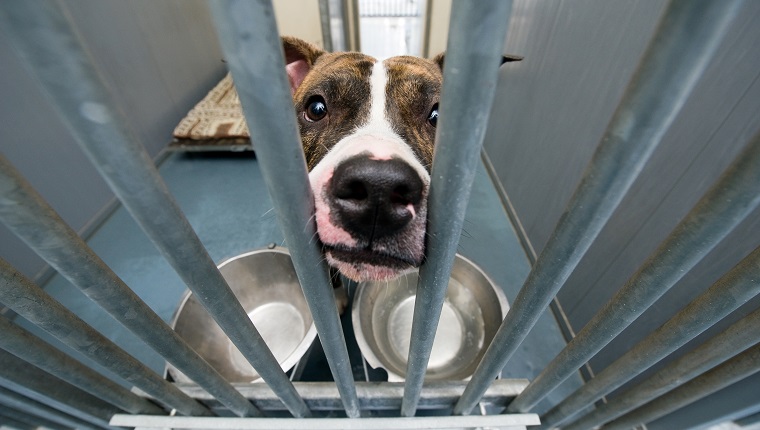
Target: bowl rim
[[361, 338], [290, 361]]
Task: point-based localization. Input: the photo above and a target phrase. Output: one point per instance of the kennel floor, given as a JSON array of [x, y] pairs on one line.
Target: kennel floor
[[224, 197]]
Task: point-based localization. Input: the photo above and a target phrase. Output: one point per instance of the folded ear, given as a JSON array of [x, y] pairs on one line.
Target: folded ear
[[299, 58], [504, 59]]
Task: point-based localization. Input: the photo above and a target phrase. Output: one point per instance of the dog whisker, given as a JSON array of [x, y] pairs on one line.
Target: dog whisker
[[316, 233], [309, 221], [264, 215]]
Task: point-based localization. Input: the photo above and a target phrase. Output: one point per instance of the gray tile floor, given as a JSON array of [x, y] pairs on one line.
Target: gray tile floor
[[225, 200]]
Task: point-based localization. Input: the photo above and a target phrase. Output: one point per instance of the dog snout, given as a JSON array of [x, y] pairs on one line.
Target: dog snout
[[374, 198]]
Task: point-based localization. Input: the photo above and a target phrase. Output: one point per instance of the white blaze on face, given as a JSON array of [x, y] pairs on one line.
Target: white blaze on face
[[376, 138]]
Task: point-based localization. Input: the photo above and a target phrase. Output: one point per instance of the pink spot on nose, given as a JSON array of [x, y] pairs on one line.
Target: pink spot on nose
[[410, 208], [328, 232]]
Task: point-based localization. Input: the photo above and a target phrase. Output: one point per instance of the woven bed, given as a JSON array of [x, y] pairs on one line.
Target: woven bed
[[216, 123]]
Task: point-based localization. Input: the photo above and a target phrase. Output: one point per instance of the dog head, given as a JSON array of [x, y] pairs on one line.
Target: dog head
[[368, 131]]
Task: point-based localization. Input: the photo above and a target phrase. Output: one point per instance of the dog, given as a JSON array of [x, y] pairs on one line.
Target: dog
[[368, 133]]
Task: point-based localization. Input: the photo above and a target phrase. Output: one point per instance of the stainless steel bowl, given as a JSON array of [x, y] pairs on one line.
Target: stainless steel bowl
[[471, 314], [265, 283]]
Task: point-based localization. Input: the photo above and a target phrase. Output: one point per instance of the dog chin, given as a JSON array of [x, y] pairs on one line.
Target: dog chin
[[363, 266], [362, 272]]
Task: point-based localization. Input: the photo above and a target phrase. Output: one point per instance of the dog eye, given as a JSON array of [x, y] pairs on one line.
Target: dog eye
[[315, 109], [433, 116]]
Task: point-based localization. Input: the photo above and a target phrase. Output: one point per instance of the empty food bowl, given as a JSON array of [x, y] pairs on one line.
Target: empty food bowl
[[265, 283], [472, 312]]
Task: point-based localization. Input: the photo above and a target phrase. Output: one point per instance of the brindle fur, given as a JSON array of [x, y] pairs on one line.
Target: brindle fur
[[416, 89], [333, 76]]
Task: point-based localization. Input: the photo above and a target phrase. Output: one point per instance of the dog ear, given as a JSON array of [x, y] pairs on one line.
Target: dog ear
[[299, 57], [438, 59]]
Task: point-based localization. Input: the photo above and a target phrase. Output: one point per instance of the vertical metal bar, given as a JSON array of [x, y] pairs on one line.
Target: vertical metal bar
[[725, 205], [471, 70], [28, 216], [353, 24], [18, 376], [31, 302], [33, 407], [253, 50], [731, 291], [43, 33], [338, 25], [740, 336], [32, 349], [734, 370], [346, 21], [688, 35], [324, 21], [426, 20]]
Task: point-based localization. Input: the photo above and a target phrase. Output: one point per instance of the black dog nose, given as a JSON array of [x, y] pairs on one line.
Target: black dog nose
[[372, 198]]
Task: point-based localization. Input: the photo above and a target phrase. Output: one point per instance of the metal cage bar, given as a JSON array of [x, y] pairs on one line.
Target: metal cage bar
[[725, 205], [325, 25], [253, 51], [470, 72], [375, 396], [36, 306], [28, 216], [13, 417], [17, 376], [505, 422], [42, 33], [32, 407], [688, 35], [733, 370], [34, 350], [738, 337], [731, 291]]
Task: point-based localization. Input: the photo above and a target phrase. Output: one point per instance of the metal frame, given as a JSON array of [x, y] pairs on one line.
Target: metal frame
[[25, 213], [374, 396], [325, 25], [28, 385], [28, 406], [506, 422], [41, 31], [739, 337], [252, 47], [672, 65], [733, 290], [465, 104], [37, 307], [668, 71], [733, 370]]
